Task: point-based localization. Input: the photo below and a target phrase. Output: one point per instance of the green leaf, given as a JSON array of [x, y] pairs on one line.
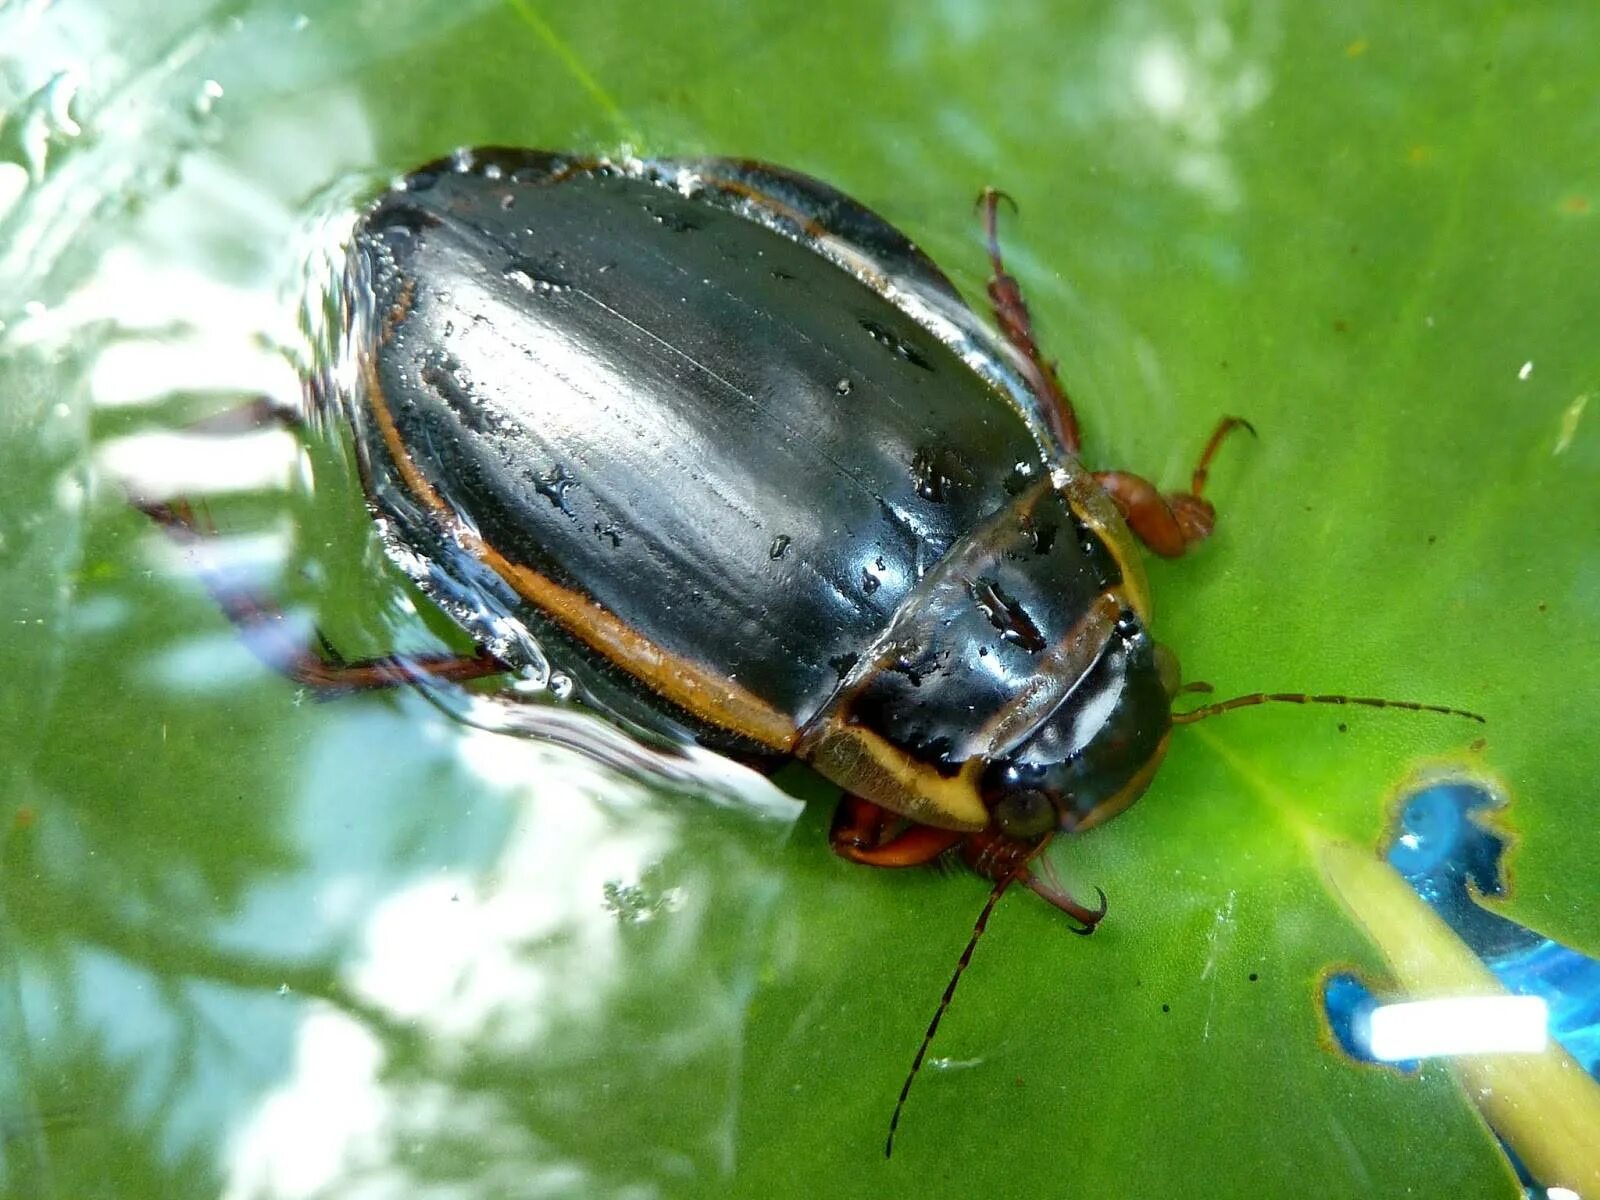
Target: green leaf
[[255, 946]]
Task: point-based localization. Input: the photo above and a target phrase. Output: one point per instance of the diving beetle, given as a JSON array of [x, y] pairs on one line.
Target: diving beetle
[[747, 466]]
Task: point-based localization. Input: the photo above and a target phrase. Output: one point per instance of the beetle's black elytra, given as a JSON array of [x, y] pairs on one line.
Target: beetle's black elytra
[[680, 385]]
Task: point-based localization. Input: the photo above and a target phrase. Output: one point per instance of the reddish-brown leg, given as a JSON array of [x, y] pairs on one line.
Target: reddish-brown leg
[[1011, 313], [858, 834], [1169, 524], [267, 634]]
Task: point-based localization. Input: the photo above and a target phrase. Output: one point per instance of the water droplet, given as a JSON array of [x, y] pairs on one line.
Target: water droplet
[[780, 546], [869, 582], [901, 348], [554, 485], [535, 277], [916, 662], [935, 470], [1127, 627], [1527, 370], [562, 686], [677, 222], [1006, 615], [843, 387], [1040, 536]]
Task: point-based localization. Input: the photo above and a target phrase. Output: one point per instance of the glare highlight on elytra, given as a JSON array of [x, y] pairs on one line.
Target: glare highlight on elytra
[[1461, 1025]]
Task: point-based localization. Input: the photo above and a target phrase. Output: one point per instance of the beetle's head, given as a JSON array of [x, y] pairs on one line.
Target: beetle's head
[[1095, 754]]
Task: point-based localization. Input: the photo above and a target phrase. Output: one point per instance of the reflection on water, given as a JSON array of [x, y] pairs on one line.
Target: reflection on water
[[1448, 849], [1451, 854], [468, 975], [1170, 87], [1408, 1030], [292, 943]]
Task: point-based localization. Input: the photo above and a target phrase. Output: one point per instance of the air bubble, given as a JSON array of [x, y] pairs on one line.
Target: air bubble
[[205, 101], [45, 120]]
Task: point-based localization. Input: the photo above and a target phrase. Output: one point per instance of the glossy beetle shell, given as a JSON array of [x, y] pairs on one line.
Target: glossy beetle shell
[[748, 468]]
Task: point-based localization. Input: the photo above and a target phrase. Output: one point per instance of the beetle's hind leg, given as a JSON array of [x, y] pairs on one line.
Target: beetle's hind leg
[[862, 832], [1169, 524], [313, 663], [265, 629], [1016, 324]]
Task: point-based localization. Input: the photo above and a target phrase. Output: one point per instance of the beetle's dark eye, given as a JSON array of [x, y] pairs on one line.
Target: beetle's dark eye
[[1025, 814]]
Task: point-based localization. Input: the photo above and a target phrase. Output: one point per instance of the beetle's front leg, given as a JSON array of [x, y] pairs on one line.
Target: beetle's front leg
[[1169, 524], [858, 834]]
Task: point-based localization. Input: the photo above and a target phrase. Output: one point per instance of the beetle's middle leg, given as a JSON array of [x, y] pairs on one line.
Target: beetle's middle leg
[[1011, 313], [1169, 524], [858, 834]]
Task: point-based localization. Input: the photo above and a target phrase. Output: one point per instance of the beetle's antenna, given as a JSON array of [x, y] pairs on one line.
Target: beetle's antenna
[[1222, 706], [944, 1003]]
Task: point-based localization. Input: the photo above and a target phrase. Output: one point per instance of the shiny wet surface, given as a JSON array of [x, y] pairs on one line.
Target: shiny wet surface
[[256, 945]]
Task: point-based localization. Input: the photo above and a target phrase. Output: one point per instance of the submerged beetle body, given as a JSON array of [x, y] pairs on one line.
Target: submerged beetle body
[[742, 460]]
